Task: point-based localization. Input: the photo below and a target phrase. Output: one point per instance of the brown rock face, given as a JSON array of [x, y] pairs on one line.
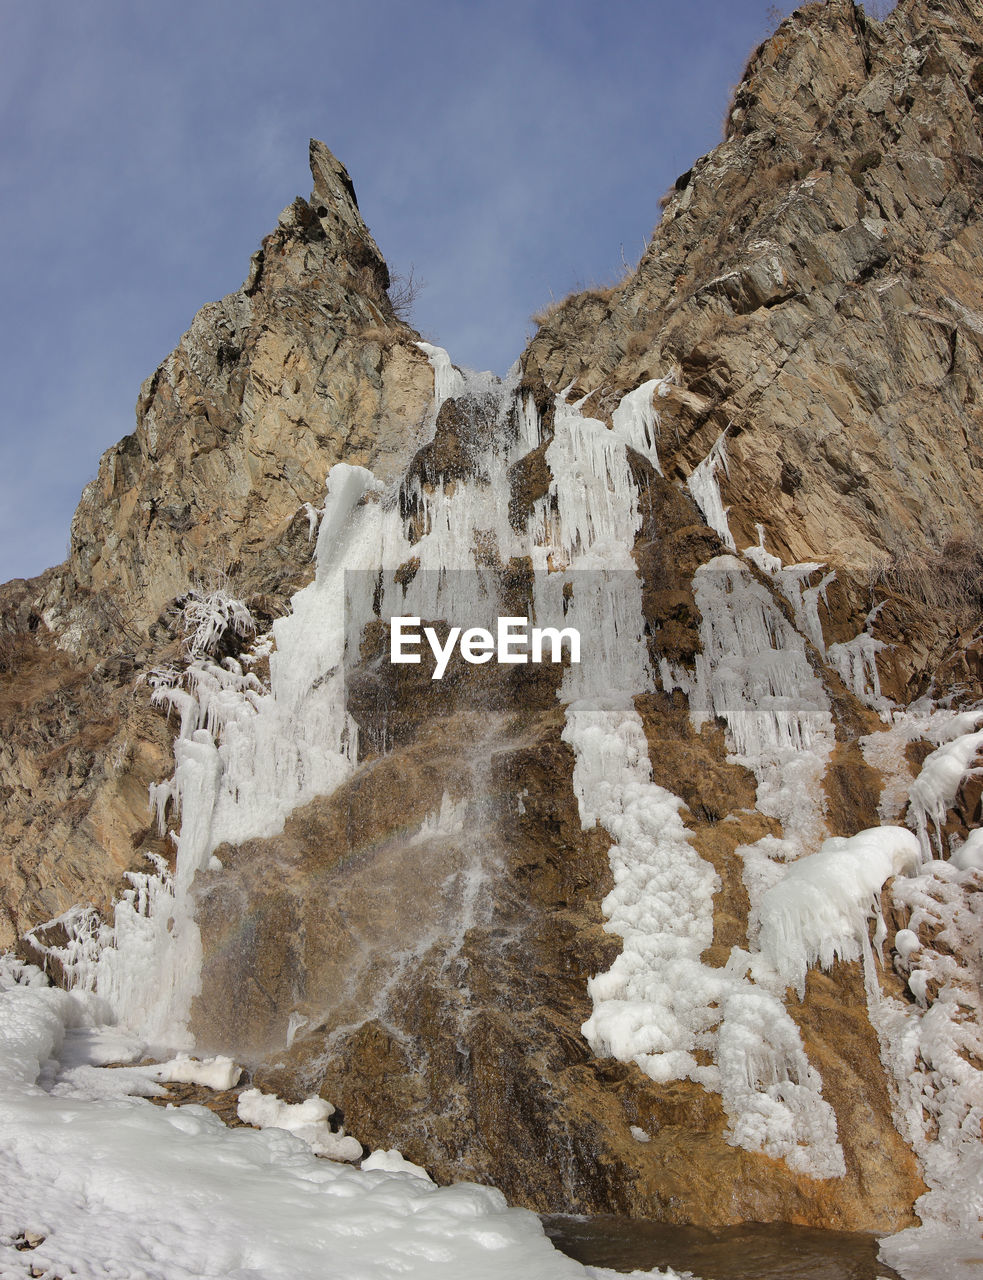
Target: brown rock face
[[437, 985], [417, 945], [237, 428], [79, 749], [307, 363], [815, 283]]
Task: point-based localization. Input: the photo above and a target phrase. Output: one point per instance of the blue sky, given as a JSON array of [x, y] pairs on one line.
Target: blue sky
[[509, 152]]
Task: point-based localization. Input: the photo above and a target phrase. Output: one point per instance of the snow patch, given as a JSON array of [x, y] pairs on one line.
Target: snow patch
[[307, 1120], [213, 1073], [393, 1161]]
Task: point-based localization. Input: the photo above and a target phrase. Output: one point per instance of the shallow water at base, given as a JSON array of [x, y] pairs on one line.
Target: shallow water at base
[[754, 1251]]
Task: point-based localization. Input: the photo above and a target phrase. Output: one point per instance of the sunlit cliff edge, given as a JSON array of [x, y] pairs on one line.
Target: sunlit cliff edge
[[808, 323]]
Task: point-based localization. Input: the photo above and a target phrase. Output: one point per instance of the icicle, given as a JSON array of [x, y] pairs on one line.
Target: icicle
[[754, 673], [447, 380], [936, 787], [637, 421], [856, 663], [764, 559], [790, 580], [705, 489], [819, 909]]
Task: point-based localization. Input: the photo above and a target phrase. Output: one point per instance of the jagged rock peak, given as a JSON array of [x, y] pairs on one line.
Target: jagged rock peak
[[795, 80], [332, 214], [812, 283], [331, 179]]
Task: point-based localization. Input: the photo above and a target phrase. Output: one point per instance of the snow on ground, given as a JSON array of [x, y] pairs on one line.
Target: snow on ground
[[117, 1186], [308, 1120], [394, 1161], [112, 1186], [934, 1252], [214, 1073]]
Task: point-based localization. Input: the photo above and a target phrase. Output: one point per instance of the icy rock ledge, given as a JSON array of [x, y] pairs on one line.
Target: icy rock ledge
[[818, 911]]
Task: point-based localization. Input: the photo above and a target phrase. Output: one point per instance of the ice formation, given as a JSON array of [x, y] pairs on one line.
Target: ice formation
[[932, 1048], [307, 1120], [818, 911], [969, 855], [209, 615], [447, 821], [856, 662], [705, 489], [246, 755], [95, 1185], [754, 673], [659, 1003], [941, 776]]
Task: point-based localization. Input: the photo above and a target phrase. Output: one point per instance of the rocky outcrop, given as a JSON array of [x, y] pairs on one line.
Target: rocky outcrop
[[236, 430], [78, 751], [814, 290], [815, 283], [305, 364]]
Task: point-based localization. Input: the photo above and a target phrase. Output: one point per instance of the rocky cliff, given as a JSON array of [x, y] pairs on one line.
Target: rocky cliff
[[307, 363], [815, 282], [429, 941]]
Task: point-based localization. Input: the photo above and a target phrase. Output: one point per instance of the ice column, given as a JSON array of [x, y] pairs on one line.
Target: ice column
[[659, 1005], [754, 673], [705, 489]]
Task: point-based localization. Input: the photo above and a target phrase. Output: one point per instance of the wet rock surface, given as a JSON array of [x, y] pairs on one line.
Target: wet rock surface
[[416, 947]]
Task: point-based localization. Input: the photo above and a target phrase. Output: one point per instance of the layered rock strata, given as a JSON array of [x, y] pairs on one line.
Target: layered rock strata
[[814, 291], [235, 432]]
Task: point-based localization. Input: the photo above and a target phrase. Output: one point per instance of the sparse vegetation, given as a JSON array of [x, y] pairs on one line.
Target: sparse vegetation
[[860, 165], [599, 293], [641, 341], [385, 336], [949, 579], [403, 293], [214, 618], [7, 651], [544, 314], [112, 618]]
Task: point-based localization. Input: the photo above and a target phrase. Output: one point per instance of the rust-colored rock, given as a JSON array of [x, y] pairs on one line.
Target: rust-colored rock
[[417, 946], [304, 365]]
